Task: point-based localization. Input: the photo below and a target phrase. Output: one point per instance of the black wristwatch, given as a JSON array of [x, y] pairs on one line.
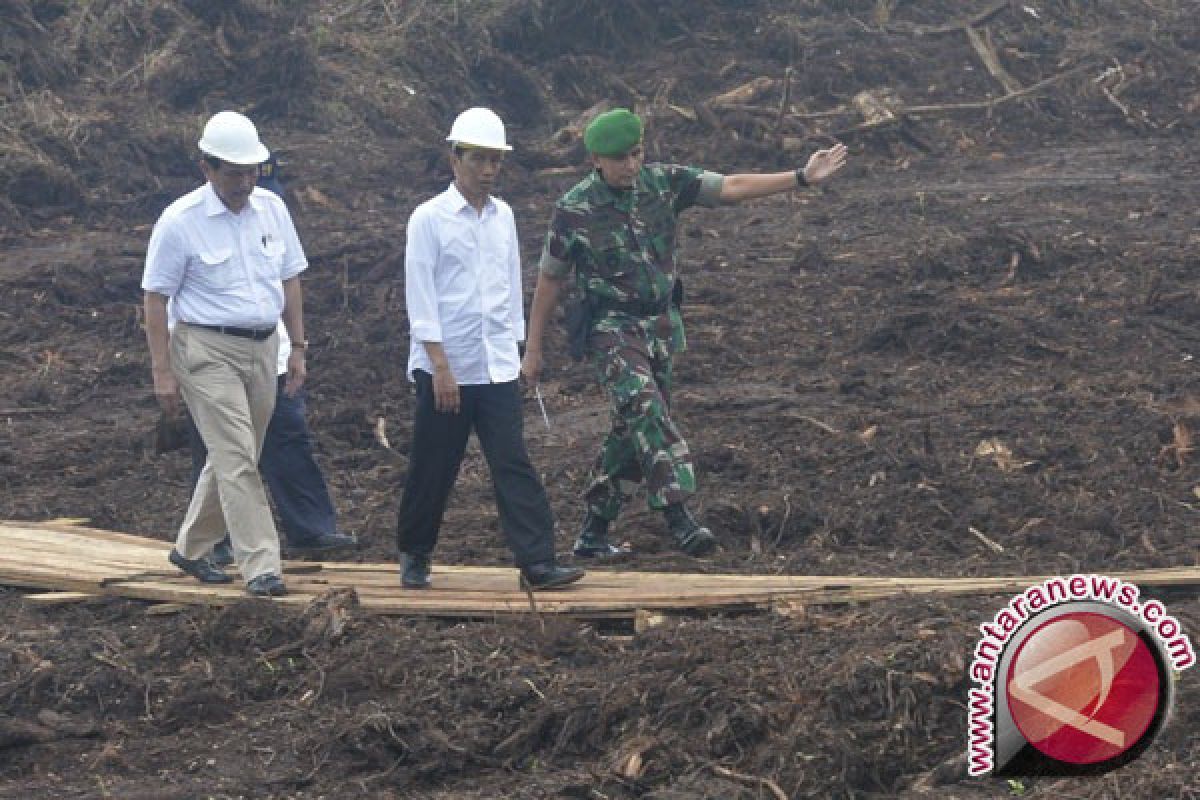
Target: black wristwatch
[[800, 179]]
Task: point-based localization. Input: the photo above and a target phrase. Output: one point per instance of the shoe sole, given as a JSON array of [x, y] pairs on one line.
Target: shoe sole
[[410, 585]]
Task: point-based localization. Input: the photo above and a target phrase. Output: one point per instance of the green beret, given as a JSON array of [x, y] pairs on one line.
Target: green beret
[[613, 133]]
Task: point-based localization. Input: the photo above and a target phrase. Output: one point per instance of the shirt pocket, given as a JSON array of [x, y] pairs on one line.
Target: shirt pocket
[[458, 246], [663, 247], [215, 268], [497, 251], [614, 263], [657, 229], [611, 257], [269, 257]]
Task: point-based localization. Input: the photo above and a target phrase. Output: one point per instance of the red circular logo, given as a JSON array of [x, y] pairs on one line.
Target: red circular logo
[[1083, 688]]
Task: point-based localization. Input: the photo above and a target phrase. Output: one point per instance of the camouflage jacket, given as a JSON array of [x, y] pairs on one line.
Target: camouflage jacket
[[621, 244]]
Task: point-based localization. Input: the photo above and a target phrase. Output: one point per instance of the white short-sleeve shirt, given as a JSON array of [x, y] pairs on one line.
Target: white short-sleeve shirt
[[222, 268]]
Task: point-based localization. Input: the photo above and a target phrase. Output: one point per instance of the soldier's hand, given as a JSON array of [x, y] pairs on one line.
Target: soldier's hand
[[823, 163], [531, 366], [446, 397]]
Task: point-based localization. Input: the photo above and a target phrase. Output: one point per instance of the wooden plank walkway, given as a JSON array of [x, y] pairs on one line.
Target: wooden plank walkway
[[64, 557]]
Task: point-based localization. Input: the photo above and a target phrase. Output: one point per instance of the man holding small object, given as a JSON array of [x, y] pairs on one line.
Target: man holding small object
[[615, 232], [227, 259]]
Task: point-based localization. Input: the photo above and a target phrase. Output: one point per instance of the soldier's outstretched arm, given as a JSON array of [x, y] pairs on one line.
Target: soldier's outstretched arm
[[746, 186]]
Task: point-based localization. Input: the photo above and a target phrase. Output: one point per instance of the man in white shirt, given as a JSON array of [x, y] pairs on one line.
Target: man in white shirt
[[227, 259], [307, 517], [462, 269]]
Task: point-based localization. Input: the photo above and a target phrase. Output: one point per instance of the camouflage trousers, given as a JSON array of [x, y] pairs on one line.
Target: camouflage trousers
[[643, 446]]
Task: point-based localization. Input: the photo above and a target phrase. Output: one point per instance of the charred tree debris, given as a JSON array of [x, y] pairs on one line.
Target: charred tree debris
[[974, 356]]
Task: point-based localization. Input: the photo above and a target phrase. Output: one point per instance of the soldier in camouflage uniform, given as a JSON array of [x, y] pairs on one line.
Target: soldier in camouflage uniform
[[616, 231]]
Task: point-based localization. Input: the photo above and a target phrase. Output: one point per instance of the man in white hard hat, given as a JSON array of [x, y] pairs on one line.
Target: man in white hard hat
[[223, 266], [462, 269], [307, 517]]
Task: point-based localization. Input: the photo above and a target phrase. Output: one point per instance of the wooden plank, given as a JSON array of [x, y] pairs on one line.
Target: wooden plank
[[91, 563], [92, 533], [60, 598], [166, 609]]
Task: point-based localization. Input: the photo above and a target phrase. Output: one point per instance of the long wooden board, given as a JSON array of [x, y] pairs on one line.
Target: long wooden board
[[63, 557]]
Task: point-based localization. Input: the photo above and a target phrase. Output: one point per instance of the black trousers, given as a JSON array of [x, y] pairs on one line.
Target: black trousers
[[439, 440]]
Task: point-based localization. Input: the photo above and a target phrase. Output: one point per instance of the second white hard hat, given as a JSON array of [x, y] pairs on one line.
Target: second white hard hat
[[479, 127], [232, 137]]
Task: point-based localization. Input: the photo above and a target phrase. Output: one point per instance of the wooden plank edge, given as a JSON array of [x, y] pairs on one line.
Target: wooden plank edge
[[61, 598]]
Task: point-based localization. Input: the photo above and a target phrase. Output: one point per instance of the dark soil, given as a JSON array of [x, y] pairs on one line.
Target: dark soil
[[1019, 275]]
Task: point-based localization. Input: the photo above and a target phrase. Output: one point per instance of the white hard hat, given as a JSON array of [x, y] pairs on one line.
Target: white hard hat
[[232, 137], [480, 127]]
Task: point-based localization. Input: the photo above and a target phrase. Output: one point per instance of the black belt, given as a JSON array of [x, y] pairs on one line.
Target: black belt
[[242, 333]]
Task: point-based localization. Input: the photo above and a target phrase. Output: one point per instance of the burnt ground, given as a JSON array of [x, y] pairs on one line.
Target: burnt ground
[[987, 322]]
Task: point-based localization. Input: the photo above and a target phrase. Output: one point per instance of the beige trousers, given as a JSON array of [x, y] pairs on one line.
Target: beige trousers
[[229, 385]]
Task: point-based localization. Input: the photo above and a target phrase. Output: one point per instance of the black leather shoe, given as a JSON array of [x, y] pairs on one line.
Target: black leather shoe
[[548, 575], [201, 568], [593, 540], [414, 570], [324, 542], [691, 537], [268, 585], [222, 553]]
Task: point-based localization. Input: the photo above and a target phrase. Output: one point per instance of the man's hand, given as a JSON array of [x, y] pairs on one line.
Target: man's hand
[[446, 398], [823, 163], [297, 371], [166, 390], [531, 365], [170, 433]]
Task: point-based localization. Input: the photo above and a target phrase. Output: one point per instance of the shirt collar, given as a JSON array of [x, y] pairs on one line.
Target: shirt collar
[[458, 202], [213, 205], [621, 198]]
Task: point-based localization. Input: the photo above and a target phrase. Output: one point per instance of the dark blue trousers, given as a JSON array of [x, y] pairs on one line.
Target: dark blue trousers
[[291, 473], [439, 441]]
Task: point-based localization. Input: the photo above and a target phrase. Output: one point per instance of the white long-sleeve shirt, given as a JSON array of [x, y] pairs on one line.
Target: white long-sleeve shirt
[[462, 285]]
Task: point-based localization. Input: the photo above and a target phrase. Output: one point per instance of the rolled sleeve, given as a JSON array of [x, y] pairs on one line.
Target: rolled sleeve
[[554, 267], [555, 260], [709, 195], [516, 299]]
